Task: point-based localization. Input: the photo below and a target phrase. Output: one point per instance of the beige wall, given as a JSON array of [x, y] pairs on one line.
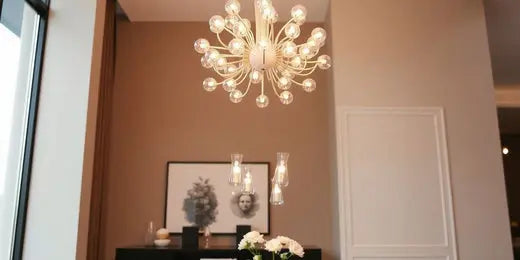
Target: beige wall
[[161, 113], [432, 53]]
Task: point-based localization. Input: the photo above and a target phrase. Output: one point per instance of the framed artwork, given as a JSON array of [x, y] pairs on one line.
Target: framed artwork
[[198, 193]]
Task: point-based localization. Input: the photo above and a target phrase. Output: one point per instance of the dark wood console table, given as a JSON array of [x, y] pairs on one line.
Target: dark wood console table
[[177, 253]]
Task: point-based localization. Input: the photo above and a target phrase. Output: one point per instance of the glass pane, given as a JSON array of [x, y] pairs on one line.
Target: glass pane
[[16, 69]]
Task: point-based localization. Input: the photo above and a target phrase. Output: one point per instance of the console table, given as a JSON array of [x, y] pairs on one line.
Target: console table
[[177, 253]]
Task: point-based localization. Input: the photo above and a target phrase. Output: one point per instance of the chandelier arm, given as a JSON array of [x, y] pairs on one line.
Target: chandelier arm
[[297, 70], [218, 48], [297, 83], [272, 83], [277, 79], [231, 56], [228, 75], [242, 77], [235, 36], [225, 75], [236, 61], [263, 78], [249, 37], [284, 40], [310, 72], [247, 89], [220, 40], [281, 30], [300, 70]]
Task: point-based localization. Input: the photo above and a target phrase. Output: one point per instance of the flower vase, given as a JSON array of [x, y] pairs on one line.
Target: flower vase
[[207, 236], [257, 257]]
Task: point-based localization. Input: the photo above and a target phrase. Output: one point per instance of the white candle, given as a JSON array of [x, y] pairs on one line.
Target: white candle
[[277, 194], [236, 173], [280, 173], [248, 182]]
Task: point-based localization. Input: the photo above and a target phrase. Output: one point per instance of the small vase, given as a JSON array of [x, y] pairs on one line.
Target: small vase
[[257, 257], [150, 234]]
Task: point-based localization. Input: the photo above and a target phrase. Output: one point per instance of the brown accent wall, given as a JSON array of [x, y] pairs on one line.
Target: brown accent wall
[[161, 113]]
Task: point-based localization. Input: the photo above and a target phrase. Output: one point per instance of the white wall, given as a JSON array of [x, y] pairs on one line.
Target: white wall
[[55, 191], [429, 53]]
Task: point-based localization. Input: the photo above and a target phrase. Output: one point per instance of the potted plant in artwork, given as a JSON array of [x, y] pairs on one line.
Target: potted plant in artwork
[[253, 240], [201, 206]]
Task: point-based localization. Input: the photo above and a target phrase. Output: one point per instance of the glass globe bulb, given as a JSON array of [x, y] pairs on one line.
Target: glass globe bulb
[[288, 74], [305, 51], [289, 49], [297, 62], [240, 29], [209, 84], [313, 44], [324, 62], [206, 63], [232, 7], [319, 34], [231, 69], [284, 83], [221, 63], [286, 97], [269, 14], [299, 14], [229, 85], [236, 46], [255, 76], [264, 3], [236, 96], [292, 31], [230, 21], [309, 85], [212, 56], [262, 101], [216, 24], [201, 46]]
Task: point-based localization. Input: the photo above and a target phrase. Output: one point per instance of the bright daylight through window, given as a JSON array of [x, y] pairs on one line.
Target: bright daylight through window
[[21, 39]]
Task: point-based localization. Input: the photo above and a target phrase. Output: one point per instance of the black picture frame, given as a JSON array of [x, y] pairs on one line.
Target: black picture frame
[[269, 187]]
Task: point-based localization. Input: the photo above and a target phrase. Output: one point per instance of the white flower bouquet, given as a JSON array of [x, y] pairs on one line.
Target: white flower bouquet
[[254, 239]]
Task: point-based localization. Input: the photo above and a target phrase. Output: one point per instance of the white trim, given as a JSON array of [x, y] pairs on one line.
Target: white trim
[[351, 251]]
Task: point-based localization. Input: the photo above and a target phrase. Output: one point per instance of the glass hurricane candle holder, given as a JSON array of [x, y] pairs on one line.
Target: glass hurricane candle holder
[[281, 173], [247, 182], [235, 176], [276, 195]]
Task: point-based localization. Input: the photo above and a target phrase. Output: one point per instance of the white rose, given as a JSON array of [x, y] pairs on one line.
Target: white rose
[[254, 237], [296, 249], [243, 244], [273, 245], [284, 240]]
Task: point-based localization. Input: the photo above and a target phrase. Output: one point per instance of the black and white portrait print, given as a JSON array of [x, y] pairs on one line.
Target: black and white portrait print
[[244, 205]]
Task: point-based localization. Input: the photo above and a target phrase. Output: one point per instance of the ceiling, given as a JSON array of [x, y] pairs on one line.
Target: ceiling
[[202, 10], [503, 24]]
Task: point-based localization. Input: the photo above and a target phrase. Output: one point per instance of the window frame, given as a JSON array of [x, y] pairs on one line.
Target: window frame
[[41, 7]]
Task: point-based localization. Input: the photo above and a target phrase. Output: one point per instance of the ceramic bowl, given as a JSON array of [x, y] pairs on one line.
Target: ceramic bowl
[[161, 242]]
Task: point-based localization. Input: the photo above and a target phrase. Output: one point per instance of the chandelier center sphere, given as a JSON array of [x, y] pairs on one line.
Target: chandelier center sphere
[[262, 58]]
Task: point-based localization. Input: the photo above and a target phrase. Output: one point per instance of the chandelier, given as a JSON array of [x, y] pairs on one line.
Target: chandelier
[[264, 58]]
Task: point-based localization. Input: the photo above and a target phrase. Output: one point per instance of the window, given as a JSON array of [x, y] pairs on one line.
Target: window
[[22, 37]]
